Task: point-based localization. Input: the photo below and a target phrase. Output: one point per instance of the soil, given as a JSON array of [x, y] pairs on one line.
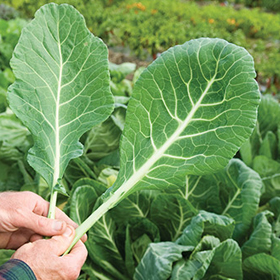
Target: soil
[[121, 55]]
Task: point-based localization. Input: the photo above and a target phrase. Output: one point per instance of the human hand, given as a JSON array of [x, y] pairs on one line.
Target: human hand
[[44, 257], [23, 219]]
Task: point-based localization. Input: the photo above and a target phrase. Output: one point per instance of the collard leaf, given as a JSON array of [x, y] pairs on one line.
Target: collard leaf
[[268, 146], [206, 224], [103, 248], [260, 267], [102, 140], [260, 239], [190, 112], [82, 202], [269, 170], [223, 260], [240, 191], [61, 88], [171, 213], [158, 259], [269, 114]]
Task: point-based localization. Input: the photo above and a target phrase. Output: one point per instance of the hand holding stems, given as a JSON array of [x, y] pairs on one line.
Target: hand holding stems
[[44, 257], [22, 220]]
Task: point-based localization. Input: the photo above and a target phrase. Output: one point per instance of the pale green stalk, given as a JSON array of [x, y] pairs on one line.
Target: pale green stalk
[[98, 213], [52, 207]]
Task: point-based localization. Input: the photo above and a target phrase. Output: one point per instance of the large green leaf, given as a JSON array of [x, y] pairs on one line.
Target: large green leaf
[[269, 170], [234, 191], [240, 191], [171, 213], [61, 88], [190, 112], [206, 224], [158, 259], [224, 260], [268, 146], [260, 267], [269, 114], [260, 239]]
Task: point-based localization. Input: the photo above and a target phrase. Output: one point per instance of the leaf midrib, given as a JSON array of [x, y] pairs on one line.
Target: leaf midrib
[[145, 168], [57, 126]]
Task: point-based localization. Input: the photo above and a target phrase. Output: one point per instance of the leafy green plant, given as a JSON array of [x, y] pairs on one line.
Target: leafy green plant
[[185, 208], [9, 35], [261, 150], [61, 89], [190, 112], [207, 226], [164, 138]]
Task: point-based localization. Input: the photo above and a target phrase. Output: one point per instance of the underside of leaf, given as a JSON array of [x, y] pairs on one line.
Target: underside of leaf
[[190, 112], [62, 86]]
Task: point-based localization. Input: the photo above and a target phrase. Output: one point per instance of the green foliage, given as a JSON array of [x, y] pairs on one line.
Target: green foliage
[[69, 54], [154, 26], [261, 151], [224, 225], [7, 12], [125, 242], [9, 34]]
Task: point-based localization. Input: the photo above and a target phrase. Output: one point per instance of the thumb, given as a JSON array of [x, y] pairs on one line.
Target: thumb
[[44, 226], [59, 244]]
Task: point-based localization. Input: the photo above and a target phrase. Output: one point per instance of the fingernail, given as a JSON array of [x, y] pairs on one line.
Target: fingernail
[[57, 225], [67, 232]]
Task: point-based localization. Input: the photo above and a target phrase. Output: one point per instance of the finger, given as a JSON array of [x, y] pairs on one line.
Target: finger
[[41, 208], [35, 237], [42, 225], [59, 214], [60, 243], [77, 255]]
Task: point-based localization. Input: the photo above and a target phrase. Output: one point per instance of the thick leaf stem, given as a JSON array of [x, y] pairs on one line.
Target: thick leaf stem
[[113, 199], [52, 207]]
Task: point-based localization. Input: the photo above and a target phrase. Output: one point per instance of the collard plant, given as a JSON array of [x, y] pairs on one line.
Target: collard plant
[[189, 113], [61, 89]]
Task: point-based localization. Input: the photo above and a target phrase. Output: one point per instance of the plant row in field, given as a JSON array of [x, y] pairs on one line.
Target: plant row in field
[[154, 26], [166, 201]]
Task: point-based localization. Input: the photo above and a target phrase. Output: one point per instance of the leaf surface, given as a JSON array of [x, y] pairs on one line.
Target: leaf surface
[[240, 191], [171, 213], [261, 266], [206, 224], [190, 112], [61, 88], [158, 259], [260, 239]]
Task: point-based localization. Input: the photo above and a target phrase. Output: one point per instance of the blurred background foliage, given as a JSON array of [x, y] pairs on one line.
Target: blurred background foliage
[[147, 28]]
